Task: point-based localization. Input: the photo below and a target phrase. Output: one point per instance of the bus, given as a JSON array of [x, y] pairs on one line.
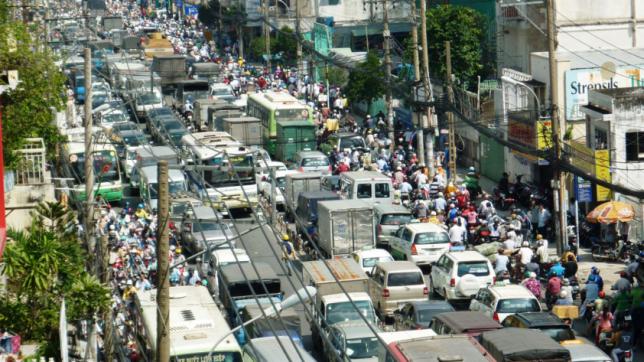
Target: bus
[[233, 164], [272, 107], [107, 168], [195, 324]]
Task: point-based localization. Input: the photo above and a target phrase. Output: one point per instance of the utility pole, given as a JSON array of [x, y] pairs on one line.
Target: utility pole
[[163, 275], [429, 145], [556, 130], [89, 158], [107, 313], [240, 30], [420, 139], [298, 30], [273, 196], [388, 96], [267, 36], [450, 115]]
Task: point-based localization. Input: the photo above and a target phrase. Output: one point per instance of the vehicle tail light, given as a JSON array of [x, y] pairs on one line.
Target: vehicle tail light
[[301, 169], [425, 291], [413, 249], [627, 354], [330, 168], [419, 327], [379, 230], [493, 280], [495, 316], [452, 282], [385, 293]]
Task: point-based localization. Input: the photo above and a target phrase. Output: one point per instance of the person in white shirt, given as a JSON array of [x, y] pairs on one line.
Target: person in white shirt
[[509, 244], [457, 232], [525, 253]]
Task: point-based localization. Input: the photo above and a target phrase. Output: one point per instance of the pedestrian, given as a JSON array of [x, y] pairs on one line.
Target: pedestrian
[[543, 219], [288, 253]]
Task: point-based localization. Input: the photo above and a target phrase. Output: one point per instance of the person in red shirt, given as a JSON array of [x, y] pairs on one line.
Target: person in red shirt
[[342, 167], [552, 290]]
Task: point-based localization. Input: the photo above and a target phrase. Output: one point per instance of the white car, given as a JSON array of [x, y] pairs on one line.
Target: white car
[[501, 301], [368, 258], [460, 274], [223, 257], [421, 243], [264, 181]]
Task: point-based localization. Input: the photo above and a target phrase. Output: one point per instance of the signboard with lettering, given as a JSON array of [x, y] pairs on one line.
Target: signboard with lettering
[[583, 190], [579, 82], [602, 172], [534, 134], [203, 357]]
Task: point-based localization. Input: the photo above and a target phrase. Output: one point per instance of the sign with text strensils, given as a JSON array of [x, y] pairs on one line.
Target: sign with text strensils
[[579, 82]]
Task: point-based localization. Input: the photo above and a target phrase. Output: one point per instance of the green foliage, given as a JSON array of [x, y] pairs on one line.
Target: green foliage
[[284, 43], [337, 76], [466, 29], [43, 265], [27, 109], [366, 81]]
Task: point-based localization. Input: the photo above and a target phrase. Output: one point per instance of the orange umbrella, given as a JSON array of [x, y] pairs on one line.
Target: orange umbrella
[[612, 212]]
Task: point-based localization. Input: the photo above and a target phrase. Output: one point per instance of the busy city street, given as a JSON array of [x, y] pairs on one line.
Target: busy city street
[[344, 180]]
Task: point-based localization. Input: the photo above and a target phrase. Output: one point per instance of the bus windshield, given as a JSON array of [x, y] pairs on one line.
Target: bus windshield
[[106, 167], [173, 188], [225, 173]]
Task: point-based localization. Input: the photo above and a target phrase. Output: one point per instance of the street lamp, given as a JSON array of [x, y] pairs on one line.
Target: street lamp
[[303, 294], [516, 83]]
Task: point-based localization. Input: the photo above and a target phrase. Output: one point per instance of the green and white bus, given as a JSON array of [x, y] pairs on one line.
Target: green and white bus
[[107, 170], [195, 324], [271, 107]]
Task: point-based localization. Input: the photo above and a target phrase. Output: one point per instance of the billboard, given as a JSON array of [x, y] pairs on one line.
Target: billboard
[[579, 82], [602, 172]]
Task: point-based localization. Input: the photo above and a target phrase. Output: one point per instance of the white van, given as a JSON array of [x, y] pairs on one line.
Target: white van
[[366, 185], [149, 185]]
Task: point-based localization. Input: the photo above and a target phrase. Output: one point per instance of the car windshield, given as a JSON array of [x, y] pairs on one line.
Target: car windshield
[[280, 182], [170, 125], [136, 140], [476, 268], [149, 98], [175, 137], [404, 279], [221, 92], [559, 334], [200, 226], [352, 142], [362, 347], [174, 187], [518, 305], [370, 262], [125, 127], [395, 219], [431, 238], [344, 311], [315, 162], [113, 117]]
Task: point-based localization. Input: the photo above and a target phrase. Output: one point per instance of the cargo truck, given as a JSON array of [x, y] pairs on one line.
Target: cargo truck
[[344, 226], [246, 129], [157, 45], [200, 112], [332, 305], [296, 183]]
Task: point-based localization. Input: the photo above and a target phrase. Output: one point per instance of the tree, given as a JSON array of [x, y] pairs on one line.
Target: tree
[[337, 76], [366, 81], [43, 265], [27, 110], [466, 29], [283, 44]]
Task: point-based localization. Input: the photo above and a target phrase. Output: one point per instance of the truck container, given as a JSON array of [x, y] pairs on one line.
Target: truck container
[[130, 42], [345, 226], [294, 136], [246, 129], [200, 112], [169, 67], [112, 23], [523, 344], [332, 304], [306, 213], [299, 182], [205, 71], [217, 113]]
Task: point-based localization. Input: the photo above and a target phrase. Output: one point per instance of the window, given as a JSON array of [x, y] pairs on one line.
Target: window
[[406, 234], [431, 238], [476, 268], [395, 219], [364, 191], [635, 146], [382, 190], [519, 305], [404, 279]]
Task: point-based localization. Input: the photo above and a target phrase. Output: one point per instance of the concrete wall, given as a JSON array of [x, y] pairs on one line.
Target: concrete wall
[[626, 119], [21, 200]]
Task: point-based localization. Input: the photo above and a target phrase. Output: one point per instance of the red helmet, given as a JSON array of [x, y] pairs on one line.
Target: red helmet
[[602, 294]]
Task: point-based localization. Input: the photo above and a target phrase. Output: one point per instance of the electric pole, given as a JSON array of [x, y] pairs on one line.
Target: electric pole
[[107, 313], [298, 30], [420, 140], [163, 282], [450, 115], [429, 145], [559, 183], [388, 96], [267, 36], [89, 158]]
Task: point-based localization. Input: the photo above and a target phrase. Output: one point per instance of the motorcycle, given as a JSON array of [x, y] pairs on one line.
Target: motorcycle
[[502, 200], [609, 251]]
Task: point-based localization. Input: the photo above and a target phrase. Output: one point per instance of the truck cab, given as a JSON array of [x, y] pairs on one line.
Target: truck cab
[[366, 185]]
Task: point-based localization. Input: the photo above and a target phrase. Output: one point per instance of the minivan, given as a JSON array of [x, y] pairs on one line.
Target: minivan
[[389, 218], [312, 161], [369, 185], [395, 282]]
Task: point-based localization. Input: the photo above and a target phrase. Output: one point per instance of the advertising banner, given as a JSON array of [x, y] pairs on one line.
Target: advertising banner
[[602, 172]]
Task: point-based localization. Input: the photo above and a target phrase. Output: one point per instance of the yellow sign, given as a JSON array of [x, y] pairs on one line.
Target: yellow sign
[[602, 172], [544, 134]]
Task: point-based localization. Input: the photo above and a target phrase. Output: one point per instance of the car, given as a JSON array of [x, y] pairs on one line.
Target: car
[[353, 341], [463, 322], [202, 228], [182, 204], [369, 257], [501, 301], [546, 322], [219, 258], [347, 140], [421, 243], [146, 102], [395, 282], [458, 275], [586, 352], [128, 139], [312, 161], [418, 315], [120, 127], [165, 127], [389, 217]]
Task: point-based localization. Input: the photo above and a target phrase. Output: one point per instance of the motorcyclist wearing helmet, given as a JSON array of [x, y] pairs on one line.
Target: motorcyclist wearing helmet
[[596, 278], [288, 253], [140, 212], [504, 183]]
